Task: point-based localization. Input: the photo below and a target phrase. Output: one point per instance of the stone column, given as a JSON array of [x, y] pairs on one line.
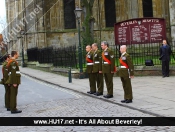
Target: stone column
[[158, 7], [140, 9], [102, 7], [122, 10], [172, 18], [16, 8], [132, 10]]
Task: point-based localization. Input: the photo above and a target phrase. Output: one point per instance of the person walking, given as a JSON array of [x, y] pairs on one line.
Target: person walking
[[97, 60], [126, 72], [108, 68], [14, 81], [165, 52], [89, 69]]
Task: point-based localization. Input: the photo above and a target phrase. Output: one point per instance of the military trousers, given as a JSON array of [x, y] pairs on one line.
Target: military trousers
[[92, 82], [99, 81], [7, 96], [13, 97], [109, 82], [127, 87]]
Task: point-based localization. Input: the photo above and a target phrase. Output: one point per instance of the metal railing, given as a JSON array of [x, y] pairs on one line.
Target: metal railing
[[32, 54], [65, 57], [59, 57], [68, 56]]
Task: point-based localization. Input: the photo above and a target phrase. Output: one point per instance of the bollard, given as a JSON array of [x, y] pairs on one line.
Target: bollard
[[70, 75]]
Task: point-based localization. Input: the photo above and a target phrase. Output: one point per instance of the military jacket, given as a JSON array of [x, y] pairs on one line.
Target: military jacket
[[123, 72], [89, 62], [5, 72], [97, 60], [14, 73], [109, 55]]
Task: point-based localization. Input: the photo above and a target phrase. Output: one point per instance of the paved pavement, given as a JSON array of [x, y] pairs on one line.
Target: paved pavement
[[33, 91], [83, 106], [153, 95]]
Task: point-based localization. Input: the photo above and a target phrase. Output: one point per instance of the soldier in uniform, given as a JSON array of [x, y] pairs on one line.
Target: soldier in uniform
[[108, 68], [14, 81], [126, 72], [4, 79], [97, 60], [89, 69]]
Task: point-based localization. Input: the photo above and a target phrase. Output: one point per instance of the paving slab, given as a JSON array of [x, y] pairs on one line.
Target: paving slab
[[150, 93]]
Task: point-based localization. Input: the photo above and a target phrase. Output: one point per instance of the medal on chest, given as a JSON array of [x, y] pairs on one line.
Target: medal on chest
[[14, 67], [123, 58], [106, 53], [88, 56]]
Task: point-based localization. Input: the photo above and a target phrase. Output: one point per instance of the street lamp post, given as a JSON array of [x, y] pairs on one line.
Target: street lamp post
[[21, 36], [11, 44], [8, 45], [77, 12]]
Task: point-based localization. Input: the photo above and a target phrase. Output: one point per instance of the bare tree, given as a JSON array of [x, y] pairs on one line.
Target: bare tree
[[3, 36], [3, 26]]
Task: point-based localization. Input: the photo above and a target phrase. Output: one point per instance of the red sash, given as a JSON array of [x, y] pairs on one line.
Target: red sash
[[105, 59], [10, 61], [123, 63], [89, 60], [115, 69]]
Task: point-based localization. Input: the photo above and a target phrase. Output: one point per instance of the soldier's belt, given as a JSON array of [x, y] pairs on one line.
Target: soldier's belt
[[90, 63], [105, 62], [17, 72], [122, 66], [96, 62]]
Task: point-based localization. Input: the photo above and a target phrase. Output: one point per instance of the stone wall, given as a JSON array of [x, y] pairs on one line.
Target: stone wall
[[49, 30], [172, 18]]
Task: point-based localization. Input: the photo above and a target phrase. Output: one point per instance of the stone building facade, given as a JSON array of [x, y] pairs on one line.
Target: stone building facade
[[52, 23], [172, 18]]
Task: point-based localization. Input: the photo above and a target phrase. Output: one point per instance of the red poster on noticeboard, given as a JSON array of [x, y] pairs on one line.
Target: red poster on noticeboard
[[139, 31]]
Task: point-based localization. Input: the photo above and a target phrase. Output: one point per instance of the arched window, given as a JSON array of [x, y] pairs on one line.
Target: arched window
[[110, 14], [69, 16], [147, 8]]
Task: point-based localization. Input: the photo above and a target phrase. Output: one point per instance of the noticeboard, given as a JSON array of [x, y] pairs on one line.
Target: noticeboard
[[140, 30]]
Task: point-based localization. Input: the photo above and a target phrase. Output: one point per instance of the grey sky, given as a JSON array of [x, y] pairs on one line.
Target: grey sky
[[2, 7], [2, 14]]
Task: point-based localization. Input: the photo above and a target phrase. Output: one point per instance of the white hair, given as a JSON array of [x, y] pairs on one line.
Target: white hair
[[123, 46]]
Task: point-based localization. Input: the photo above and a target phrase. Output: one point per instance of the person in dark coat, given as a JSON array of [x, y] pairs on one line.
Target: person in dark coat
[[165, 52]]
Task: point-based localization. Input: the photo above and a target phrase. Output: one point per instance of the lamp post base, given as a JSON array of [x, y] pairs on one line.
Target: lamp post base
[[81, 75], [23, 65]]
